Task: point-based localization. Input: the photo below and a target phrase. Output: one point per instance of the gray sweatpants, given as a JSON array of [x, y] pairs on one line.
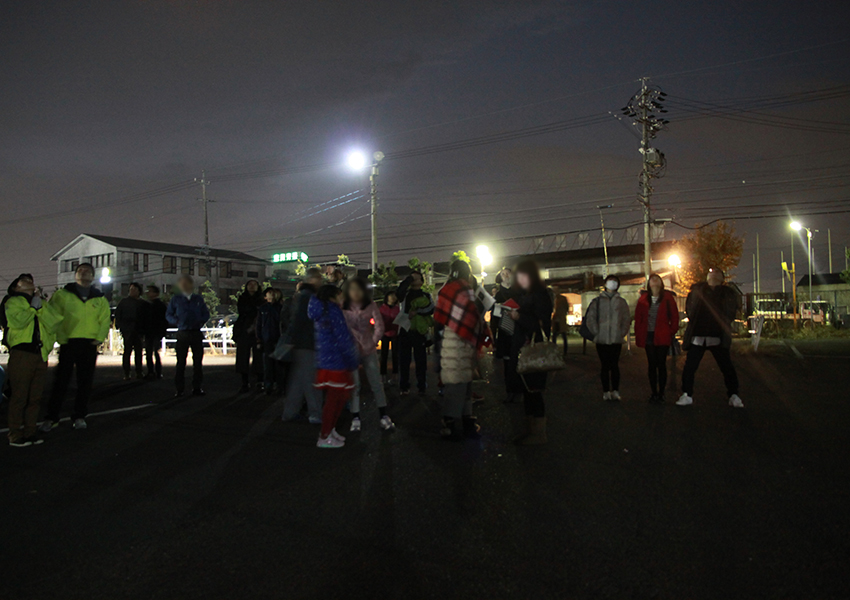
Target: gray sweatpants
[[302, 376]]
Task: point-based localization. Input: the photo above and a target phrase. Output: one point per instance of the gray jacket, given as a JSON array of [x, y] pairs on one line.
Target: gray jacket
[[608, 318]]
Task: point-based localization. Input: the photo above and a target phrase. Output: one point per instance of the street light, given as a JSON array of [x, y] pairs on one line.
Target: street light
[[357, 161], [674, 261], [104, 276], [484, 256], [797, 226]]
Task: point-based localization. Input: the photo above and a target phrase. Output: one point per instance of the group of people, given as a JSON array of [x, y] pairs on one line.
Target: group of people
[[711, 308], [314, 344]]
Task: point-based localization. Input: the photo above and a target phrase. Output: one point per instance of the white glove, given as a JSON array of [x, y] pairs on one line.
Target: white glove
[[36, 302]]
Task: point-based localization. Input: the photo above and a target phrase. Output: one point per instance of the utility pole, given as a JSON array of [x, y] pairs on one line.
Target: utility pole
[[204, 183], [641, 108], [829, 240], [373, 181], [782, 261], [604, 240], [758, 265]]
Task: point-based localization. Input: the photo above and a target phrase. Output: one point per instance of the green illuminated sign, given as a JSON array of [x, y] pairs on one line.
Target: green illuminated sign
[[290, 257]]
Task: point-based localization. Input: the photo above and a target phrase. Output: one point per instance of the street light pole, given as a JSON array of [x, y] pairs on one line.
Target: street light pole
[[373, 181], [811, 298]]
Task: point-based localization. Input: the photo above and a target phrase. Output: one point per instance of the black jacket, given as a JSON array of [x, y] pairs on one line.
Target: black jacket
[[300, 330], [710, 313], [130, 316], [247, 306], [155, 322]]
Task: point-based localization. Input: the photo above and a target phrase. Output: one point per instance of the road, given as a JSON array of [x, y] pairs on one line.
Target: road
[[215, 497]]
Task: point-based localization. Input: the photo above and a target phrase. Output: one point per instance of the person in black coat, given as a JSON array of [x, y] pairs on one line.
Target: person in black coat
[[155, 328], [504, 336], [268, 334], [130, 321], [245, 335], [532, 322]]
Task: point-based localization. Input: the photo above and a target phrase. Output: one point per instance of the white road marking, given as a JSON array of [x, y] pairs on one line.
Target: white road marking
[[97, 414]]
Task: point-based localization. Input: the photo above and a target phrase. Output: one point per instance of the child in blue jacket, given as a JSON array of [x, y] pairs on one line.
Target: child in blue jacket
[[336, 360]]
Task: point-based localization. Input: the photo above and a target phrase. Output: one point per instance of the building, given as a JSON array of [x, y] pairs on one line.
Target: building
[[827, 287], [157, 263]]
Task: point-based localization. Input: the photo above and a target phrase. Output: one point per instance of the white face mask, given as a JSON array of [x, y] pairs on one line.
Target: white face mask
[[611, 285]]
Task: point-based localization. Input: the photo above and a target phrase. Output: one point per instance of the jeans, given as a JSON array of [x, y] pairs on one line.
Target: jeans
[[609, 356], [724, 362], [82, 354], [302, 376], [389, 346], [373, 375], [152, 345], [412, 344], [656, 356], [132, 345], [185, 341], [27, 372]]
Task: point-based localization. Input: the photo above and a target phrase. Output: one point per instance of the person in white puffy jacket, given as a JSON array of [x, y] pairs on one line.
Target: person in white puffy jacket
[[609, 319]]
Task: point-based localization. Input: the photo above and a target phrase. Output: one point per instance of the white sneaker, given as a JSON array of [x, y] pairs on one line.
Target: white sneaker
[[80, 424], [615, 395], [335, 434], [606, 396], [684, 400], [387, 423], [47, 426], [735, 401], [355, 424], [329, 442]]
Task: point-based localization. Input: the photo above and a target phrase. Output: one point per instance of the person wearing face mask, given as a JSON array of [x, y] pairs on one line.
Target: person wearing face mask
[[533, 322], [656, 324], [608, 319], [711, 308], [84, 312]]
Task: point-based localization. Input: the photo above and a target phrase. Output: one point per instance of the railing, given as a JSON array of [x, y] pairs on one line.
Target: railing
[[218, 339]]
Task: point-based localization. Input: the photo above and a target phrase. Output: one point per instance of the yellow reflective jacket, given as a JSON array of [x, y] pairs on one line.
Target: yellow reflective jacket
[[89, 319], [21, 316]]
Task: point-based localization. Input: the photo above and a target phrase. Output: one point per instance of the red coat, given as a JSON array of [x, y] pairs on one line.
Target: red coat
[[666, 324]]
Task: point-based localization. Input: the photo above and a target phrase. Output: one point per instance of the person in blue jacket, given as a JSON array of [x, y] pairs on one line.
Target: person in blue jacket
[[188, 312], [336, 360]]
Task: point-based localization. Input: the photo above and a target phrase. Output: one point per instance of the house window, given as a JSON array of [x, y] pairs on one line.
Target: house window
[[69, 266], [235, 273], [145, 262], [169, 264], [253, 274], [187, 266], [202, 268], [225, 270], [135, 262]]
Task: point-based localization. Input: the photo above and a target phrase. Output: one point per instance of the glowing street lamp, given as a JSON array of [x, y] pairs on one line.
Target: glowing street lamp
[[484, 256], [357, 161], [674, 261], [797, 226], [104, 276]]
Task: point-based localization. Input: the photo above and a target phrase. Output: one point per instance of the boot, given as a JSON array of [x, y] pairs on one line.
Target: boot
[[526, 431], [538, 433]]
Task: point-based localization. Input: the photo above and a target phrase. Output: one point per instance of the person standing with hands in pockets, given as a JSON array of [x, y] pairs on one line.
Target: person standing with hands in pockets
[[656, 324], [608, 319]]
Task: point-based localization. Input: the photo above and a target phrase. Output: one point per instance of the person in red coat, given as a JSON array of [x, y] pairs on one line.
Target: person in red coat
[[656, 324]]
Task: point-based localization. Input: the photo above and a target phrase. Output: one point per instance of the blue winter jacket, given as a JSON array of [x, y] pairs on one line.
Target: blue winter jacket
[[187, 314], [335, 349], [268, 323]]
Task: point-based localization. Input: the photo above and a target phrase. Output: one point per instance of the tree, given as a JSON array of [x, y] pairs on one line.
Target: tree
[[210, 297], [710, 246], [427, 271], [385, 279]]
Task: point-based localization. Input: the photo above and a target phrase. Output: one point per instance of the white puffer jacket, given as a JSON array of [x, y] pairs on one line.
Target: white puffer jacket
[[457, 359]]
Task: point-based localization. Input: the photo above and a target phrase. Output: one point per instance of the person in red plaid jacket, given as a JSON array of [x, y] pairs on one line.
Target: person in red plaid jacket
[[465, 333]]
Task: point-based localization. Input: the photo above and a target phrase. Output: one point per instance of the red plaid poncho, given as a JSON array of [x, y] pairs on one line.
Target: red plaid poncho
[[456, 309]]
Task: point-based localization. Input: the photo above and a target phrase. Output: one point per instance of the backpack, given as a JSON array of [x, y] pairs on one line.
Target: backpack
[[584, 330]]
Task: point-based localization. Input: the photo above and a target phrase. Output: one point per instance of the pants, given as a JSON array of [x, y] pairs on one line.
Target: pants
[[274, 371], [152, 345], [724, 362], [82, 354], [335, 399], [389, 345], [185, 341], [27, 372], [302, 376], [563, 335], [457, 400], [533, 404], [412, 344], [609, 356], [132, 345], [656, 356], [373, 375], [246, 346]]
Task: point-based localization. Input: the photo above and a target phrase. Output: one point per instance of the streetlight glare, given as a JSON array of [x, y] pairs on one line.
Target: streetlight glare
[[483, 253], [357, 161], [104, 276], [796, 225], [674, 261]]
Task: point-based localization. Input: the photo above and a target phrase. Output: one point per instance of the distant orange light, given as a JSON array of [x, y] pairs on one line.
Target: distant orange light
[[372, 321]]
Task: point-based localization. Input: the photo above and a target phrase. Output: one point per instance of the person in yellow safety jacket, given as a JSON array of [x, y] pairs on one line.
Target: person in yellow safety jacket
[[85, 324], [30, 336]]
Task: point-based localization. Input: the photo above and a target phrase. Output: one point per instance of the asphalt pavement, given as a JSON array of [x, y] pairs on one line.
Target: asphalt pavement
[[215, 497]]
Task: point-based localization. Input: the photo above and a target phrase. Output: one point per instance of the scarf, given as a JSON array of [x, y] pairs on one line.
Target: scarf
[[456, 310]]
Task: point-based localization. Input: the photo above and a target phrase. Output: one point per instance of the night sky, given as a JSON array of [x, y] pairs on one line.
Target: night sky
[[104, 103]]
